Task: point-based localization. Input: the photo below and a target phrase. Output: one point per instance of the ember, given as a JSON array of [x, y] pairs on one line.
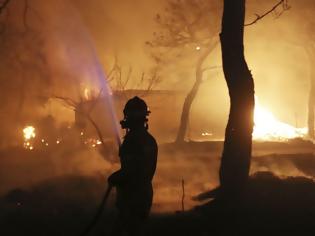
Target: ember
[[29, 134]]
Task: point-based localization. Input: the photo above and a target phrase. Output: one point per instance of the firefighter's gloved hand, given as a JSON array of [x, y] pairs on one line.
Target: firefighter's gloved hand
[[115, 178]]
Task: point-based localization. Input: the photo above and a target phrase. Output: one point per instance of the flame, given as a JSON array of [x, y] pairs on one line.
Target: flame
[[29, 134], [92, 142], [267, 127], [206, 134], [87, 94]]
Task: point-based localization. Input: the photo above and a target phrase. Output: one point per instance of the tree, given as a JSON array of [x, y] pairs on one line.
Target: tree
[[185, 29], [84, 100], [310, 50], [84, 107], [127, 83], [3, 5], [24, 67], [236, 156], [24, 78], [307, 41]]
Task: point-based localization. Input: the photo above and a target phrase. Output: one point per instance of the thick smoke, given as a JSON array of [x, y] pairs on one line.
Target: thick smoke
[[53, 58]]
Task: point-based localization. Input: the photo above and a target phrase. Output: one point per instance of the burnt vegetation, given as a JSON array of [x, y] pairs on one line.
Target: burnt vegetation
[[53, 178]]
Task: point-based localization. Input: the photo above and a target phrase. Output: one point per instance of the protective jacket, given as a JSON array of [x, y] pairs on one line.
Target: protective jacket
[[138, 157]]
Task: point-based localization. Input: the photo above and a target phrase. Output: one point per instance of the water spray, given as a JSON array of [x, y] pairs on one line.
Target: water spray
[[85, 61], [106, 93], [105, 90]]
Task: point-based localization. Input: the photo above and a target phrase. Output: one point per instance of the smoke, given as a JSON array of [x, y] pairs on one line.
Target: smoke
[[24, 169], [55, 58], [274, 51], [198, 165]]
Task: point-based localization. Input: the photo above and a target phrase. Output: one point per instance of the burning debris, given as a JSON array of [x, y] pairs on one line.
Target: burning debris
[[268, 128], [29, 136], [206, 134], [29, 132], [91, 142], [30, 139]]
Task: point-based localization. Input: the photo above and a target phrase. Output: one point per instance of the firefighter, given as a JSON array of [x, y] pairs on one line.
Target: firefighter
[[133, 181]]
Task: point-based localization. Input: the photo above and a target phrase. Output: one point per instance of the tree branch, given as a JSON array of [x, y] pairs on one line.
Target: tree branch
[[211, 68], [285, 7], [26, 7], [70, 102], [73, 104], [4, 5]]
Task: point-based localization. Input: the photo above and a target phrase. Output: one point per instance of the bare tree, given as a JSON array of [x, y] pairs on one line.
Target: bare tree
[[236, 156], [24, 66], [3, 5], [125, 81], [282, 4], [192, 25], [85, 108], [308, 44], [306, 41], [187, 27], [310, 50]]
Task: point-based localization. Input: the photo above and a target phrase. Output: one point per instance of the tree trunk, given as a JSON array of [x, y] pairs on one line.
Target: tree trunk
[[184, 119], [21, 101], [311, 98], [236, 156]]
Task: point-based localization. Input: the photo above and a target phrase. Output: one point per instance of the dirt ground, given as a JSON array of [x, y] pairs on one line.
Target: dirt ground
[[41, 198]]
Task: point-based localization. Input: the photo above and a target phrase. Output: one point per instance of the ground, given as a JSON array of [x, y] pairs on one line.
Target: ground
[[279, 199]]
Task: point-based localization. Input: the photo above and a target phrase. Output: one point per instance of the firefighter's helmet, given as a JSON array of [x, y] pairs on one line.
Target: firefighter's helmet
[[136, 107], [135, 114]]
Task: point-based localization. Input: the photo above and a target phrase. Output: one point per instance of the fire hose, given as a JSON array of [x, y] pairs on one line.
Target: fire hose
[[99, 212], [101, 207]]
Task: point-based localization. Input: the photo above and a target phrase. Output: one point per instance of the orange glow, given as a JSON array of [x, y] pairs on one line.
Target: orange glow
[[29, 134], [268, 127], [87, 94]]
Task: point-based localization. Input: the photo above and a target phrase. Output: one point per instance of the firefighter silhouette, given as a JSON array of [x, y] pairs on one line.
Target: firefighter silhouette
[[133, 181]]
